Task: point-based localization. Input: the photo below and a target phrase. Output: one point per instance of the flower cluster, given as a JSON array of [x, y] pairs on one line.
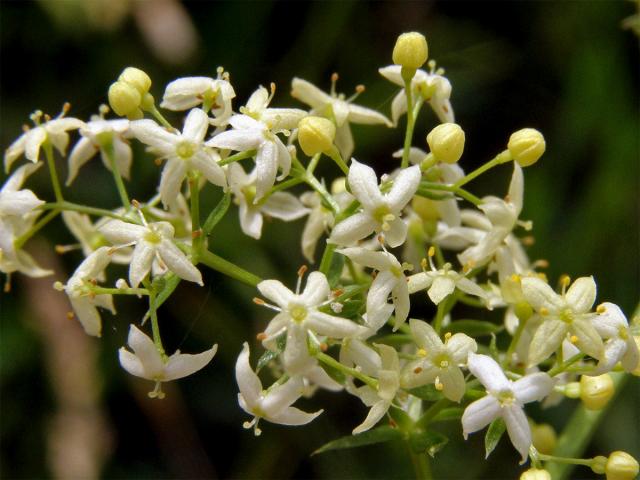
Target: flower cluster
[[394, 246]]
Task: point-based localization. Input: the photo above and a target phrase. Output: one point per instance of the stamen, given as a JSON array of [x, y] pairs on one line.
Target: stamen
[[601, 309], [157, 392], [70, 315], [334, 79], [541, 263], [528, 241], [439, 385], [424, 264], [565, 280], [324, 347], [272, 87], [544, 311], [7, 284], [261, 336], [259, 301], [447, 336], [422, 352], [58, 286], [417, 370], [573, 339], [359, 90]]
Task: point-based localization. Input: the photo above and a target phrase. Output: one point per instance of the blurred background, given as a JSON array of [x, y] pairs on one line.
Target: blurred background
[[569, 69]]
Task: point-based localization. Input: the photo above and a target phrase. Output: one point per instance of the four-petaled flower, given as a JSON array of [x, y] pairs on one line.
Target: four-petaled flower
[[153, 240], [273, 404], [146, 361], [380, 212], [185, 152], [620, 346], [440, 362], [504, 399], [337, 108]]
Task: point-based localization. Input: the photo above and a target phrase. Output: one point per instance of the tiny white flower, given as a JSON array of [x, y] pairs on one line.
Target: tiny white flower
[[274, 404], [257, 129], [184, 152], [390, 280], [95, 135], [281, 205], [435, 86], [298, 315], [569, 313], [153, 240], [440, 362], [189, 92], [17, 216], [52, 130], [504, 399], [337, 108], [147, 362], [89, 236], [620, 346], [380, 212], [81, 296]]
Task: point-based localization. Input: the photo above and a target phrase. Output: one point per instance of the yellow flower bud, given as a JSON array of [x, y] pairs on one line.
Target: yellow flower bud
[[535, 474], [621, 466], [526, 146], [315, 135], [136, 78], [598, 464], [446, 142], [595, 392], [543, 437], [411, 50], [426, 208], [124, 99]]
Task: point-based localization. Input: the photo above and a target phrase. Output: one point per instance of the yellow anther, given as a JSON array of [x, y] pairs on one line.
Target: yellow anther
[[417, 370], [447, 336], [601, 309], [544, 311], [573, 339], [565, 280], [302, 270], [439, 386], [70, 315], [324, 347], [424, 264], [515, 278], [261, 336], [258, 301], [432, 251], [422, 352]]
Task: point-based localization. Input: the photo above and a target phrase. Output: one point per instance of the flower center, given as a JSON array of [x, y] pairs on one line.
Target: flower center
[[297, 312], [185, 149], [384, 217], [249, 193], [152, 237], [623, 333], [505, 398], [442, 360], [567, 315]]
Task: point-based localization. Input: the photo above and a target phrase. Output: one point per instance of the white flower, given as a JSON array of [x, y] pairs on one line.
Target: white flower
[[190, 92], [280, 205], [153, 240], [29, 143], [81, 296], [504, 399], [298, 315], [620, 346], [440, 362], [184, 152], [273, 404], [435, 86], [337, 108], [96, 134], [257, 129], [147, 362], [390, 280], [386, 368], [442, 283], [569, 313], [89, 236], [17, 216], [380, 212]]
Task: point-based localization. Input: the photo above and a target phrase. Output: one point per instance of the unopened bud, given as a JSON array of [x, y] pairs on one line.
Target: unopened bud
[[137, 78], [621, 466], [595, 392], [446, 142], [535, 474], [636, 371], [124, 100], [411, 50], [598, 464], [543, 437], [426, 208], [315, 135], [526, 146]]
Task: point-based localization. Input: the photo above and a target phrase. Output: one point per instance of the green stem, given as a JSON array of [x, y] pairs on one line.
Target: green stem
[[421, 465], [564, 366], [22, 239], [158, 116], [437, 323], [155, 328], [514, 342], [313, 182], [221, 265], [468, 196], [292, 182], [119, 291], [237, 157], [196, 232], [99, 212], [332, 362], [431, 412], [334, 154], [564, 460], [412, 113], [55, 182], [313, 163], [502, 157], [122, 190], [327, 256], [217, 213]]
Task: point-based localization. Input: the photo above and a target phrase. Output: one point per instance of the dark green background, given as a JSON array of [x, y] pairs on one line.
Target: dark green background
[[565, 68]]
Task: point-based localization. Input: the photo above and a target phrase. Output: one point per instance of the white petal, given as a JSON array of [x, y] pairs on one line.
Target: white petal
[[147, 353], [250, 220], [425, 336], [442, 287], [94, 264], [293, 416], [540, 295], [582, 294], [397, 233], [178, 263], [119, 232], [378, 260], [240, 140], [588, 339], [282, 118], [334, 327], [452, 380], [15, 150], [460, 346], [171, 179], [282, 396], [398, 106], [266, 168], [181, 365], [81, 153], [608, 323], [258, 100], [364, 185], [183, 93], [33, 141], [479, 414], [87, 315], [375, 414], [352, 229], [275, 291], [516, 188], [378, 294], [316, 290], [209, 167], [400, 297], [533, 387], [485, 369], [15, 181], [356, 352], [546, 340], [18, 203], [308, 93], [403, 189], [152, 134], [131, 363], [248, 382], [470, 287], [518, 429], [367, 116], [123, 156], [419, 281], [392, 73], [195, 126], [344, 140], [140, 263], [284, 206]]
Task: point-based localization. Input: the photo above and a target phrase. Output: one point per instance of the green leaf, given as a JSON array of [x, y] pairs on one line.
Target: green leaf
[[428, 441], [493, 435], [334, 373], [427, 392], [335, 270], [446, 414], [401, 418], [281, 342], [169, 283], [381, 434], [473, 328], [217, 213]]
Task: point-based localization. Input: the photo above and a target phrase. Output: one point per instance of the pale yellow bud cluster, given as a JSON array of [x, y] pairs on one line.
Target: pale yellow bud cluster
[[411, 50], [595, 392], [621, 466], [129, 95], [316, 135], [543, 437], [535, 474], [446, 142], [526, 146]]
